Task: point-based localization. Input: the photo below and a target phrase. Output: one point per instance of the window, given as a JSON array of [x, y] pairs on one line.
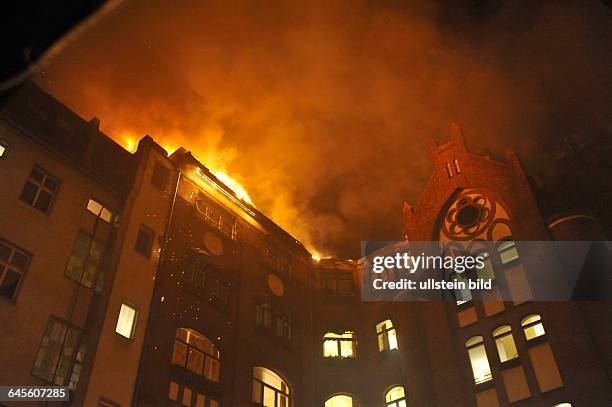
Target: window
[[396, 397], [87, 261], [342, 400], [40, 189], [462, 295], [533, 327], [187, 395], [449, 170], [205, 282], [173, 391], [457, 167], [387, 338], [563, 405], [144, 241], [504, 341], [126, 321], [160, 177], [342, 345], [77, 367], [276, 260], [273, 317], [3, 149], [13, 265], [269, 389], [99, 210], [478, 359], [197, 353], [56, 352], [217, 218], [507, 251], [342, 287], [487, 272]]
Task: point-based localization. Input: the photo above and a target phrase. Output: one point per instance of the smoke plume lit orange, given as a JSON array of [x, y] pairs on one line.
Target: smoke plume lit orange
[[320, 109]]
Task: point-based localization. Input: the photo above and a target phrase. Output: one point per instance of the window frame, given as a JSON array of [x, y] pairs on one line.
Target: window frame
[[205, 355], [136, 309], [265, 385], [6, 265], [498, 337], [279, 317], [338, 343], [39, 185], [487, 378], [524, 326], [385, 333], [396, 402], [144, 228], [100, 271]]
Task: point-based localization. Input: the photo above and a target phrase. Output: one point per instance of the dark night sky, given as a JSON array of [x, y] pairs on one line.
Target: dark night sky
[[320, 109]]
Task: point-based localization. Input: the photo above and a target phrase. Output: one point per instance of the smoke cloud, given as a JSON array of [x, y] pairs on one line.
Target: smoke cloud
[[320, 109]]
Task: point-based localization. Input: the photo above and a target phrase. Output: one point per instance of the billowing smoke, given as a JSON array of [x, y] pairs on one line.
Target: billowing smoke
[[321, 109]]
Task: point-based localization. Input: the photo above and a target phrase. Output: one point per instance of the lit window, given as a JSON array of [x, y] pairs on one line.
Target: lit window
[[196, 353], [478, 359], [13, 264], [504, 341], [40, 189], [87, 261], [99, 210], [342, 400], [387, 338], [396, 397], [3, 149], [457, 167], [563, 405], [533, 327], [54, 360], [449, 170], [144, 241], [339, 345], [507, 251], [126, 322], [187, 394], [269, 389], [173, 391]]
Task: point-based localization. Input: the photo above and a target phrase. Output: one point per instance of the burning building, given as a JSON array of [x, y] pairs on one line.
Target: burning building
[[143, 279]]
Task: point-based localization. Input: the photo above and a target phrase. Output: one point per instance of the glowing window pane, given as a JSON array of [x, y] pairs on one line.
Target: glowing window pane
[[341, 401], [507, 251], [478, 359], [395, 394], [504, 341], [126, 321], [2, 150], [533, 327]]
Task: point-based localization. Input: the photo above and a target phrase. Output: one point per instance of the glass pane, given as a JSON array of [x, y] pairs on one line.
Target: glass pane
[[200, 400], [330, 348], [395, 393], [212, 369], [44, 201], [392, 339], [50, 184], [339, 401], [125, 321], [506, 348], [269, 397], [173, 391], [179, 353], [187, 393], [534, 331], [36, 175], [19, 260], [28, 193], [347, 349], [384, 325], [480, 364], [9, 284], [195, 361]]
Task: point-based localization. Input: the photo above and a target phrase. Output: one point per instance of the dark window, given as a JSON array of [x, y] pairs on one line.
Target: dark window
[[277, 260], [161, 176], [77, 367], [87, 261], [3, 149], [273, 317], [335, 286], [217, 218], [57, 352], [40, 189], [144, 241], [13, 265], [204, 281]]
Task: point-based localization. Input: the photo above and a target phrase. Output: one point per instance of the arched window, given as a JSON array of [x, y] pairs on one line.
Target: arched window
[[339, 345], [563, 405], [507, 251], [342, 400], [504, 341], [269, 389], [387, 338], [533, 327], [197, 353], [396, 397], [478, 359]]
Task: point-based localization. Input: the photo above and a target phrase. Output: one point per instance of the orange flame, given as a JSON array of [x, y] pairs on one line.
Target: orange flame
[[234, 185]]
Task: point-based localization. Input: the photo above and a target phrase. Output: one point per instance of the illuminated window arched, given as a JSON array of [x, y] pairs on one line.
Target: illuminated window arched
[[340, 345], [478, 359], [269, 389], [504, 342], [395, 397], [387, 337], [197, 353], [533, 327], [563, 405], [342, 400]]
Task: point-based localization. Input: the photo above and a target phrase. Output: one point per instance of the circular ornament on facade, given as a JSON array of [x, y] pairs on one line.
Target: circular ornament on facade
[[276, 285], [213, 243], [469, 216]]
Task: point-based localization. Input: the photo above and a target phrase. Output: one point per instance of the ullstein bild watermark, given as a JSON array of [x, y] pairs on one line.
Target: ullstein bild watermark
[[490, 271]]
